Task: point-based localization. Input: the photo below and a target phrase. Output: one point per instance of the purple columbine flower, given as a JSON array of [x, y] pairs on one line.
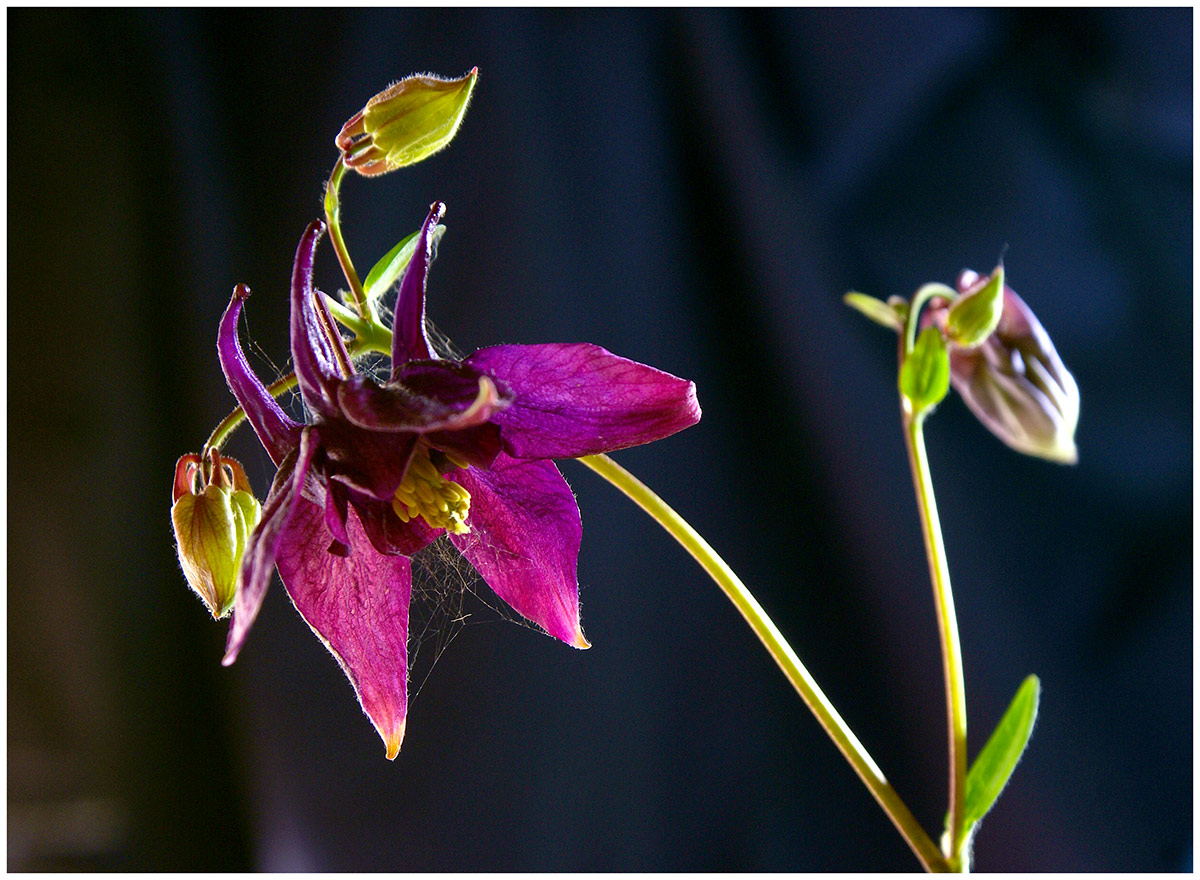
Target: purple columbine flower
[[442, 447]]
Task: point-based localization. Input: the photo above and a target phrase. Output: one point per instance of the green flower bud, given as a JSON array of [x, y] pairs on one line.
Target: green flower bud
[[973, 316], [212, 523], [925, 373], [407, 122]]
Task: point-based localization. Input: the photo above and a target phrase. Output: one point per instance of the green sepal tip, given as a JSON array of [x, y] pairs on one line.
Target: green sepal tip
[[973, 317]]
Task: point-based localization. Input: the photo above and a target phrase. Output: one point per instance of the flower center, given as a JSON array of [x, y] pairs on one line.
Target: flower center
[[424, 492]]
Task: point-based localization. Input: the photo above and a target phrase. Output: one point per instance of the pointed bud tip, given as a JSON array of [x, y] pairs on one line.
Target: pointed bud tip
[[580, 642], [883, 314]]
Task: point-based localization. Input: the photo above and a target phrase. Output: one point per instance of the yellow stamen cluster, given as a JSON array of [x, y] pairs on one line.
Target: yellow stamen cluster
[[424, 492]]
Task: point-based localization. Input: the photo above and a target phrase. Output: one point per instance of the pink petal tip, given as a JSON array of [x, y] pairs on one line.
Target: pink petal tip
[[394, 740]]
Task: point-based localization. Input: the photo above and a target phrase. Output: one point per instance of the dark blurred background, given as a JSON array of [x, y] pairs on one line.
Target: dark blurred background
[[695, 190]]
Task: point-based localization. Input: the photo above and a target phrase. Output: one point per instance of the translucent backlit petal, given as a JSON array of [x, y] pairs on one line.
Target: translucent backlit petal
[[524, 541], [358, 606], [261, 553], [578, 399]]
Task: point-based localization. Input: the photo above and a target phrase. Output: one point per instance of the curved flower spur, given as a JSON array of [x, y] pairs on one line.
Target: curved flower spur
[[442, 447]]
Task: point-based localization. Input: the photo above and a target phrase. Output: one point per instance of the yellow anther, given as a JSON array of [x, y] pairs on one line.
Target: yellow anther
[[424, 492], [454, 459]]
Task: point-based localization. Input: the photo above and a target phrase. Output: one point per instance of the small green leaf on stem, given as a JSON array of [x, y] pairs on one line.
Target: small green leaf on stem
[[884, 314], [925, 373], [995, 764], [384, 273]]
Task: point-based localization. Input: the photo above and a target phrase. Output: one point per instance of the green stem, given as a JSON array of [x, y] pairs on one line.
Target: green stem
[[333, 218], [222, 431], [780, 651], [922, 296], [369, 332], [956, 701]]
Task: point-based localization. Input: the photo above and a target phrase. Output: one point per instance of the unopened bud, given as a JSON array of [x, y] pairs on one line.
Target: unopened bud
[[407, 122], [975, 313], [213, 514], [1016, 384]]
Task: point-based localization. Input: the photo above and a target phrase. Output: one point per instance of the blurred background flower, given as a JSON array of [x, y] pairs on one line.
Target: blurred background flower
[[694, 190]]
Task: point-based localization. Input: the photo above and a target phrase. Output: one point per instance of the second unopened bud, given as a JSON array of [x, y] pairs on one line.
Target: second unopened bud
[[214, 513], [405, 123]]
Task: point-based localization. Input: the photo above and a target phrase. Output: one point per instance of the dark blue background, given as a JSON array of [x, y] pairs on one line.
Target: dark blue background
[[695, 190]]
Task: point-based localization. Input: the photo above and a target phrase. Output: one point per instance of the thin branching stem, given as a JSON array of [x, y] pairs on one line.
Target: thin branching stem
[[781, 652], [333, 218]]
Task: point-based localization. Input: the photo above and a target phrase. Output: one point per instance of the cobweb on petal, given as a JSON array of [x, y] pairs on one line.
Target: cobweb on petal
[[448, 595]]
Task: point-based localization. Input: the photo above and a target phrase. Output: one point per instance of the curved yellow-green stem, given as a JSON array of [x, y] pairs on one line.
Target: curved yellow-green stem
[[333, 219], [780, 651], [956, 700], [954, 843]]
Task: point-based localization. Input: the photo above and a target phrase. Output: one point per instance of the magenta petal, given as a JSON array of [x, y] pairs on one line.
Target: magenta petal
[[277, 433], [572, 400], [478, 445], [259, 557], [317, 347], [409, 339], [524, 541], [358, 606], [372, 462], [431, 396]]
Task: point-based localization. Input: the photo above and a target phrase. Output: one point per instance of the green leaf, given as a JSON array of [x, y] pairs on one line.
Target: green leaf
[[881, 313], [925, 373], [384, 273], [995, 764]]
